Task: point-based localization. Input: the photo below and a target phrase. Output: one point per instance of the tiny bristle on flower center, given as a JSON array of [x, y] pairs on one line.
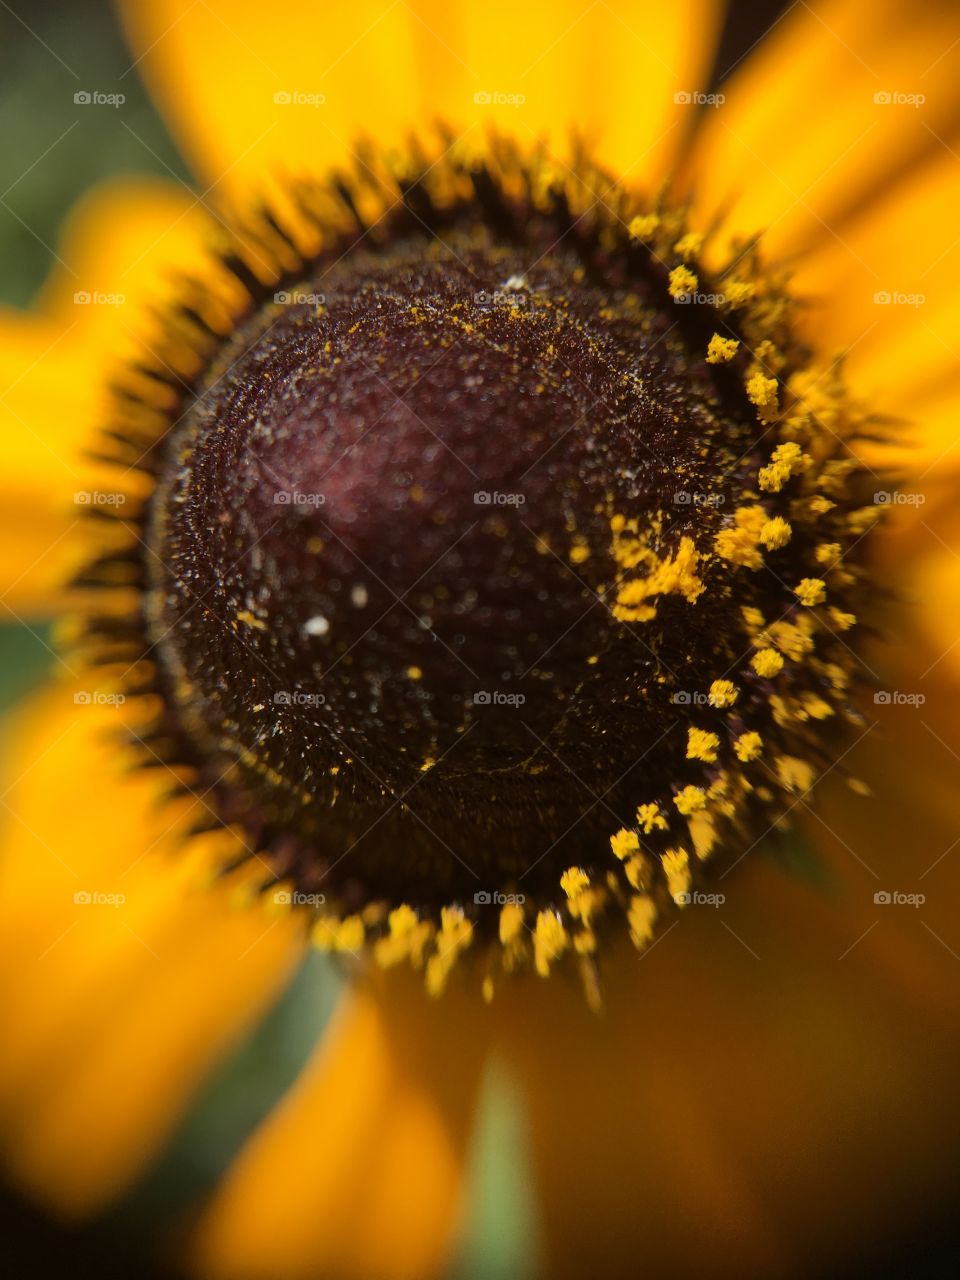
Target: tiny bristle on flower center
[[495, 571]]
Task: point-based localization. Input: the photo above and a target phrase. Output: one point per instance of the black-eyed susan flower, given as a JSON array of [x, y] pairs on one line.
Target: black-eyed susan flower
[[479, 541]]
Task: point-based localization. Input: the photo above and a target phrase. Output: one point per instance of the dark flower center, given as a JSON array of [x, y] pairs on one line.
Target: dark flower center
[[384, 580], [498, 576]]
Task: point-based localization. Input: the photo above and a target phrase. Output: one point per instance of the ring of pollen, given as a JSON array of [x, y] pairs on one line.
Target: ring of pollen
[[492, 566]]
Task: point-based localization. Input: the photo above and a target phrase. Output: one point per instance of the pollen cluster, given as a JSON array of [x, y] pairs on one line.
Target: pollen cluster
[[555, 614]]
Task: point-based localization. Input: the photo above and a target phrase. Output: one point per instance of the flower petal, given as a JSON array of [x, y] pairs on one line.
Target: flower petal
[[359, 1171], [888, 294], [773, 1078], [795, 159], [248, 95], [103, 935], [121, 244]]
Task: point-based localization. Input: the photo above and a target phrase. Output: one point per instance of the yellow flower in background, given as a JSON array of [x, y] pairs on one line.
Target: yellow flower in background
[[622, 463]]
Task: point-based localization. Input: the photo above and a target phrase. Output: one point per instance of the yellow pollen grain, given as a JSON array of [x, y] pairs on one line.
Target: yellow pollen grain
[[842, 621], [723, 693], [720, 350], [641, 916], [748, 746], [776, 533], [550, 940], [784, 462], [738, 544], [650, 818], [625, 843], [816, 707], [794, 773], [414, 673], [643, 226], [810, 591], [767, 663], [763, 392], [828, 553], [579, 553], [682, 282], [573, 881], [674, 575], [702, 745], [737, 292], [511, 923], [690, 799], [638, 872], [676, 866], [753, 619], [689, 246]]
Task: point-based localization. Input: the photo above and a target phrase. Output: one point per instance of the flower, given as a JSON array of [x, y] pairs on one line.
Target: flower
[[727, 1102]]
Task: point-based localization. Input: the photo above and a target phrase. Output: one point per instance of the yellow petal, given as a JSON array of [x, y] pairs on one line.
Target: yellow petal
[[764, 1066], [119, 249], [249, 93], [888, 293], [795, 160], [358, 1173], [121, 981]]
